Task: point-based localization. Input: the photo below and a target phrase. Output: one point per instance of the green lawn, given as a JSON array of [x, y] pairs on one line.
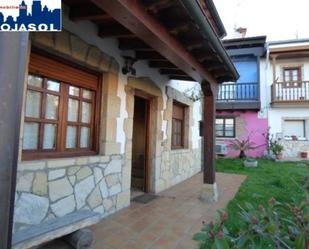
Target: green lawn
[[270, 179]]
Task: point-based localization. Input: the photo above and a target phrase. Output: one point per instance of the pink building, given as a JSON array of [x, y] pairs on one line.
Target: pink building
[[238, 103]]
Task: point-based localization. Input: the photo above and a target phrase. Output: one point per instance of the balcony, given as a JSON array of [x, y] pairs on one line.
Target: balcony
[[238, 96], [294, 93]]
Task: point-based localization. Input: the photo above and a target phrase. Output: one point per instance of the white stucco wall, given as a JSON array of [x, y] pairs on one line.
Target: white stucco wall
[[188, 87], [88, 32], [52, 188], [276, 115]]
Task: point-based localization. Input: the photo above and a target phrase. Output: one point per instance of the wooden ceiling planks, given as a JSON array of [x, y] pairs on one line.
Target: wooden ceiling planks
[[177, 23]]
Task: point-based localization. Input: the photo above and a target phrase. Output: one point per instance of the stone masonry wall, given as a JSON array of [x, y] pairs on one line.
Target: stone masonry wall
[[54, 188], [177, 166], [293, 148]]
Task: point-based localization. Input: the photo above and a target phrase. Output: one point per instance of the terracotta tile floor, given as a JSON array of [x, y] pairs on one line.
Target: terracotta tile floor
[[167, 222]]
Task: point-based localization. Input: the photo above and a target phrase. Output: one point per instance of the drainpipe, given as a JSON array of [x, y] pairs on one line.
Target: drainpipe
[[13, 50], [195, 11]]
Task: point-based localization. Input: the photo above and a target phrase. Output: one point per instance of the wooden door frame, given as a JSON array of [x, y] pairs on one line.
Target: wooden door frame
[[148, 148]]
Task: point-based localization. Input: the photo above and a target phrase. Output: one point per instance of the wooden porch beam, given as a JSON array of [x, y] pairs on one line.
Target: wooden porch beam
[[180, 28], [134, 16], [161, 64], [115, 30], [196, 45], [179, 77], [212, 65], [172, 71], [223, 78], [204, 57], [158, 5], [149, 55], [133, 44], [217, 71], [88, 12]]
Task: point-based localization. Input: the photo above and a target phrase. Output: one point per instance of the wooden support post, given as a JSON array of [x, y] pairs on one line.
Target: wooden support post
[[13, 50], [273, 90], [209, 191], [209, 134]]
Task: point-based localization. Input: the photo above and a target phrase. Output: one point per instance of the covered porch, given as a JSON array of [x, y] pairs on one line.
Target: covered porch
[[168, 222], [184, 48]]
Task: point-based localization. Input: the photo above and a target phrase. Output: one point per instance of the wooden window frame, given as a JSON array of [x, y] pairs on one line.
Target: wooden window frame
[[183, 126], [224, 127], [287, 84], [60, 151]]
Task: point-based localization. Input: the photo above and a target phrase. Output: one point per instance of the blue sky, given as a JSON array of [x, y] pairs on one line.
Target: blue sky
[[278, 19]]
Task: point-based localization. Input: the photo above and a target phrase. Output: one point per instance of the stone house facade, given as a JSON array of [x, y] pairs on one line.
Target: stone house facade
[[105, 108], [49, 188]]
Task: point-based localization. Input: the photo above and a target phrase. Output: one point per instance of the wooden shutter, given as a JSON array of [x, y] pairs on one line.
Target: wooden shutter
[[63, 71]]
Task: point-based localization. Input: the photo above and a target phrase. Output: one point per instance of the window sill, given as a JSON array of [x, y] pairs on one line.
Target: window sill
[[298, 139], [32, 156], [225, 138], [179, 150]]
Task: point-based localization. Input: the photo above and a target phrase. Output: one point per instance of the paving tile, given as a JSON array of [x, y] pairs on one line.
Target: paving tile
[[168, 222]]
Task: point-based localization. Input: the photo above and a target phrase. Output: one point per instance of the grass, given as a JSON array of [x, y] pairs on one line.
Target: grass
[[269, 179]]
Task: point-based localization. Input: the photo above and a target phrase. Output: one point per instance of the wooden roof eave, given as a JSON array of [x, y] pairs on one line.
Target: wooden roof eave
[[206, 29], [133, 16]]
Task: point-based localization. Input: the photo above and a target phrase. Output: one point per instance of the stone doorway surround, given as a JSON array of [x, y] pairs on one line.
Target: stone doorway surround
[[149, 88]]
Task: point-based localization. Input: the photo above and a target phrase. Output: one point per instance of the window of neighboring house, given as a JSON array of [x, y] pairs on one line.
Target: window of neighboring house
[[178, 126], [294, 128], [292, 76], [225, 127], [60, 117]]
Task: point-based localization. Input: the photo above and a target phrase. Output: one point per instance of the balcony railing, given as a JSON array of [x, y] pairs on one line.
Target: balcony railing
[[297, 91], [238, 92]]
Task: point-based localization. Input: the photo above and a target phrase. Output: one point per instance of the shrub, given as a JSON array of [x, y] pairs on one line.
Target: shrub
[[275, 147], [280, 225], [242, 146]]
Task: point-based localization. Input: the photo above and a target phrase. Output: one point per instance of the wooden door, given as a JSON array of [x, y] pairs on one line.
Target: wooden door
[[139, 179]]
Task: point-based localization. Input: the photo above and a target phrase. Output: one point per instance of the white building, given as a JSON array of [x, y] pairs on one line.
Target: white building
[[285, 94]]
